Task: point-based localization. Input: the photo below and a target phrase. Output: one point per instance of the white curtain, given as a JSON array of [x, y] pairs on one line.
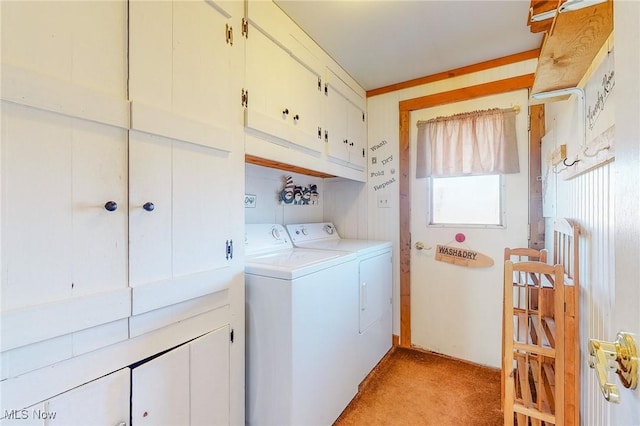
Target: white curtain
[[474, 143]]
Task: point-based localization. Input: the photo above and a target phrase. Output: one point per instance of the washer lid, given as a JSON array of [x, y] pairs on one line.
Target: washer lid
[[324, 235], [358, 246], [294, 263]]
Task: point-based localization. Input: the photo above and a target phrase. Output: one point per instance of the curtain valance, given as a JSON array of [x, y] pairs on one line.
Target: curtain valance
[[474, 143]]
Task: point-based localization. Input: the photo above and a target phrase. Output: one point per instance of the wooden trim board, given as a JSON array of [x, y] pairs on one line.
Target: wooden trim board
[[482, 66], [251, 159]]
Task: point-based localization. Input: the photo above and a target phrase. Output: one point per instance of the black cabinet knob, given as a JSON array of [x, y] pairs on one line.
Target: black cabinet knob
[[350, 143], [345, 141], [149, 206], [285, 111], [296, 117], [111, 206]]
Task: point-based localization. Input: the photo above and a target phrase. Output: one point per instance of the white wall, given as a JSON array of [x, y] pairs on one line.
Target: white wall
[[345, 205], [266, 183], [341, 201], [382, 111]]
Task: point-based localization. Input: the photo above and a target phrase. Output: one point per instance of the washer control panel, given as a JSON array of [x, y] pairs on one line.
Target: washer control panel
[[308, 232], [260, 238]]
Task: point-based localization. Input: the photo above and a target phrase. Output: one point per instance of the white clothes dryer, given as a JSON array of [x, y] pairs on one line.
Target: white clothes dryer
[[301, 310], [375, 282]]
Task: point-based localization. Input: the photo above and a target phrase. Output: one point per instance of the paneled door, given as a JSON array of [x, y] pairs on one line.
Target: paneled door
[[456, 310]]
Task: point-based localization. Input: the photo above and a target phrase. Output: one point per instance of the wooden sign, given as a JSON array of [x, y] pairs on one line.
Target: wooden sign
[[462, 257]]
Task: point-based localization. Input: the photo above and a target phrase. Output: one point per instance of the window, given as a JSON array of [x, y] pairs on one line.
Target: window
[[467, 200]]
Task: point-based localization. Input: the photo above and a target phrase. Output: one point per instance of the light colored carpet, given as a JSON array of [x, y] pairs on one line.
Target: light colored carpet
[[411, 387]]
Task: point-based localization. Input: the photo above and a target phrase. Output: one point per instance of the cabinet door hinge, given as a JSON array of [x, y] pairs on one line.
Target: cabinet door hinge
[[229, 249], [245, 98], [245, 28], [326, 89], [363, 117], [326, 136], [319, 132], [229, 34], [363, 153], [319, 84], [528, 231], [231, 336]]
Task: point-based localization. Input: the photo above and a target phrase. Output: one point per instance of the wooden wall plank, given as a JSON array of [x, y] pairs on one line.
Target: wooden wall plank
[[536, 220], [405, 231]]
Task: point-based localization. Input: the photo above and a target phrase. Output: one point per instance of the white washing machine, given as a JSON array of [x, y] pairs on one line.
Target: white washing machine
[[375, 282], [301, 308]]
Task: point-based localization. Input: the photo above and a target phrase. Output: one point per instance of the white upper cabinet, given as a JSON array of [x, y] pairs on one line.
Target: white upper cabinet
[[284, 90], [182, 62], [184, 148], [64, 169], [298, 97], [346, 127]]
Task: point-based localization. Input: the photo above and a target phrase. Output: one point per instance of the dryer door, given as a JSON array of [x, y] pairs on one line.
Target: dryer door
[[375, 289]]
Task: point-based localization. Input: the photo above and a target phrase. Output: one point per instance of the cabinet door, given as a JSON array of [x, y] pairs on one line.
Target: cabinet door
[[59, 240], [336, 127], [104, 401], [160, 390], [267, 72], [306, 99], [210, 378], [284, 101], [60, 168], [177, 246], [188, 385], [356, 135], [182, 64]]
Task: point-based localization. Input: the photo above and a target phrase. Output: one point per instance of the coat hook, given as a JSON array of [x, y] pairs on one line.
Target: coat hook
[[569, 165]]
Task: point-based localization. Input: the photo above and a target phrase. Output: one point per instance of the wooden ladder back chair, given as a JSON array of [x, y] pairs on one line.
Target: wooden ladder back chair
[[521, 254], [533, 368], [565, 253]]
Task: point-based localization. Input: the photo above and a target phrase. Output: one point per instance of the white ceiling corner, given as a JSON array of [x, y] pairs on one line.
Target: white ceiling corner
[[382, 42]]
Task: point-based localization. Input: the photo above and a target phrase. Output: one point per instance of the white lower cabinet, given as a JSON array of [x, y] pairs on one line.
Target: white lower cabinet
[[188, 385], [104, 401]]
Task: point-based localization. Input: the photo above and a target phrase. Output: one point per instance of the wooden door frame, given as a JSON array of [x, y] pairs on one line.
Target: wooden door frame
[[405, 108]]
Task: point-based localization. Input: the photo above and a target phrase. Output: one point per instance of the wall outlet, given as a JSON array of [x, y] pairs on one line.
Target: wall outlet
[[383, 202]]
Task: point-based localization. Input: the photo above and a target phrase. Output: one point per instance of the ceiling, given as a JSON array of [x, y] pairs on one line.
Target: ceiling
[[383, 42]]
